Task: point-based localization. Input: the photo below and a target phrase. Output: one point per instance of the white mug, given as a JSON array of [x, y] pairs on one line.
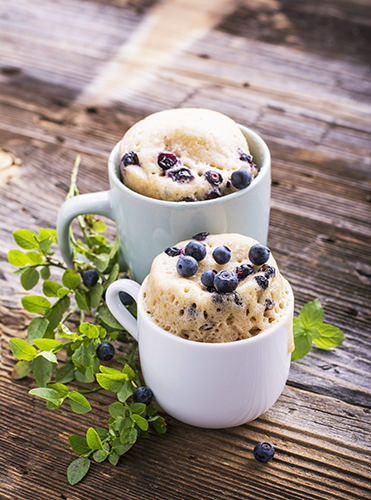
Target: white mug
[[146, 226], [213, 385]]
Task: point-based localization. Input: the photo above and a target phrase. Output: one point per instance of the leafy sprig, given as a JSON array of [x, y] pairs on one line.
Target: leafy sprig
[[310, 329], [71, 320], [128, 422]]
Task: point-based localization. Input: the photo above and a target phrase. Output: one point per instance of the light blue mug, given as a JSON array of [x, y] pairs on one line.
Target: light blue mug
[[147, 226]]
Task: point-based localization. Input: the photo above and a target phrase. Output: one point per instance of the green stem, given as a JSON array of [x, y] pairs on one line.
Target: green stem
[[73, 191], [90, 391], [69, 314]]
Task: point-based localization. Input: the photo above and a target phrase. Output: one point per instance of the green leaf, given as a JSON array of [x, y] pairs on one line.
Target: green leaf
[[313, 333], [42, 370], [79, 444], [140, 421], [81, 300], [120, 448], [47, 344], [45, 273], [29, 278], [303, 345], [60, 388], [116, 409], [95, 295], [90, 330], [99, 226], [102, 433], [100, 455], [129, 371], [21, 370], [101, 261], [37, 328], [65, 374], [25, 239], [77, 470], [107, 317], [55, 314], [35, 303], [82, 356], [311, 315], [17, 258], [78, 402], [48, 233], [139, 408], [93, 439], [44, 245], [45, 393], [85, 375], [125, 392], [331, 336], [62, 292], [34, 258], [50, 288], [159, 424], [22, 350], [113, 275], [49, 355], [71, 279], [113, 457], [109, 382]]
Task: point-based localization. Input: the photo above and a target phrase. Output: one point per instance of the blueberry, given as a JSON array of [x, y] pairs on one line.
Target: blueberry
[[243, 271], [143, 394], [196, 250], [172, 251], [222, 255], [241, 178], [264, 452], [246, 157], [138, 429], [225, 282], [125, 276], [207, 278], [214, 178], [181, 174], [189, 199], [200, 236], [262, 281], [90, 277], [129, 158], [167, 160], [269, 271], [187, 266], [259, 254], [126, 299], [269, 304], [213, 193], [105, 351]]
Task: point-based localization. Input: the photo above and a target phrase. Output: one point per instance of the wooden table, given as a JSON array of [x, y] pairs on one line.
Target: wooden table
[[74, 76]]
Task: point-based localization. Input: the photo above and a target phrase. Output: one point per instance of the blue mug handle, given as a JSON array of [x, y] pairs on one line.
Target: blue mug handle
[[91, 203]]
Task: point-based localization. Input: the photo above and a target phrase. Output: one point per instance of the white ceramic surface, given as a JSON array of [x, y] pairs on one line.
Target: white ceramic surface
[[203, 384], [146, 226]]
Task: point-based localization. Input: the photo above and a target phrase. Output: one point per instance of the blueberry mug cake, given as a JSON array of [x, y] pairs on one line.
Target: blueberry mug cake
[[216, 288], [186, 155]]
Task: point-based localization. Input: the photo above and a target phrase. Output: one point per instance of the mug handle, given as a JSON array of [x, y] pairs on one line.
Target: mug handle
[[119, 311], [91, 203]]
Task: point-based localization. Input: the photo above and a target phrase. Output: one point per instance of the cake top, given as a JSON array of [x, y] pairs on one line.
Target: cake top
[[186, 155], [216, 288]]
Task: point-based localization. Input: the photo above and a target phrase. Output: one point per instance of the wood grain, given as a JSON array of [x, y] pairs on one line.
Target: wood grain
[[297, 73]]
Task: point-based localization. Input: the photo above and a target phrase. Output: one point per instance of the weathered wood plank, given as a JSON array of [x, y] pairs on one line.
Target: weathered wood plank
[[298, 74]]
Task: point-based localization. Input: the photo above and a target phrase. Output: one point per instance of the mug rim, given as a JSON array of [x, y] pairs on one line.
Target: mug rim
[[247, 132], [214, 345]]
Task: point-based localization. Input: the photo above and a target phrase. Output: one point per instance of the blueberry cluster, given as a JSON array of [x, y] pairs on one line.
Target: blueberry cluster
[[223, 281], [169, 165]]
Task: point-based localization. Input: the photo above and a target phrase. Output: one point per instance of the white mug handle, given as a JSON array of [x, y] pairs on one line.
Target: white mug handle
[[116, 307]]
